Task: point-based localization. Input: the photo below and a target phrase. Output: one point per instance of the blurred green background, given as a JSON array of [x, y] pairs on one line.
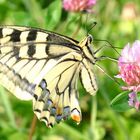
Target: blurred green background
[[118, 21]]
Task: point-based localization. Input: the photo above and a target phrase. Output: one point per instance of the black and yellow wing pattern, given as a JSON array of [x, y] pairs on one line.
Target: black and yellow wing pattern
[[44, 67]]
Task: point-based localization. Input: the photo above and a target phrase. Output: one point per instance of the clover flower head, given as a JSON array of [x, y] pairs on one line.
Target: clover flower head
[[129, 71], [137, 105], [133, 100], [129, 66], [78, 5]]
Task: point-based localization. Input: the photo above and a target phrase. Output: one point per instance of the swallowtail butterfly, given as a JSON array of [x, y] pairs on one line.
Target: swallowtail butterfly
[[44, 67]]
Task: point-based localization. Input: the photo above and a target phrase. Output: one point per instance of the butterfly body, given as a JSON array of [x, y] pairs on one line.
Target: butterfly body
[[43, 66]]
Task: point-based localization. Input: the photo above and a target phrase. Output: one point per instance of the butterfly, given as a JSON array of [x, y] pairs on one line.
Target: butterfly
[[44, 67]]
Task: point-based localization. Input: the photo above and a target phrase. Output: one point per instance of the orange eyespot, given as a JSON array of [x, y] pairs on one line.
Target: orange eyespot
[[76, 118]]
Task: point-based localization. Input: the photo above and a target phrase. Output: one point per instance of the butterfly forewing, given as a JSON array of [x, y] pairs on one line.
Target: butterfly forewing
[[45, 67]]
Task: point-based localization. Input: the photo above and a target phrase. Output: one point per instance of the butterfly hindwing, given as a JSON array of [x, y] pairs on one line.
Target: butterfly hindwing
[[87, 78], [60, 99]]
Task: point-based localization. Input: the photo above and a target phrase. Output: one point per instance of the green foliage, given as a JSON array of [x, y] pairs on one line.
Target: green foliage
[[120, 102], [100, 120], [54, 14]]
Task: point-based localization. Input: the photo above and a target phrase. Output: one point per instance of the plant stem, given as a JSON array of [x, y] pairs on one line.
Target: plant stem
[[78, 27], [33, 7], [32, 128], [93, 118]]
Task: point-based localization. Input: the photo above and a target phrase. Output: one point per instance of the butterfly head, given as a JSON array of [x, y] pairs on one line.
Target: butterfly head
[[88, 52], [89, 39]]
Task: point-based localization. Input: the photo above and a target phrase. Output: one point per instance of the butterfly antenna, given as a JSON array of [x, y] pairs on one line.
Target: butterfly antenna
[[100, 68], [91, 27]]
